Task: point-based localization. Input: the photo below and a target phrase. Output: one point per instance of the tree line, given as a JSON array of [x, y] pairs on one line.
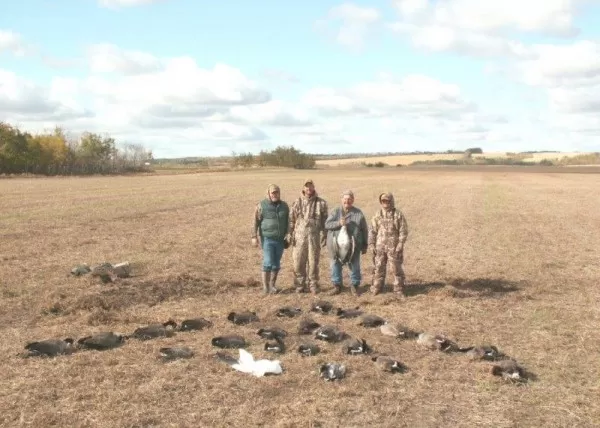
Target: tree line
[[54, 153], [282, 156]]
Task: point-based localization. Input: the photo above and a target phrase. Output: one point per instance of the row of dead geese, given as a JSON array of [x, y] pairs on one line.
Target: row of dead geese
[[503, 366]]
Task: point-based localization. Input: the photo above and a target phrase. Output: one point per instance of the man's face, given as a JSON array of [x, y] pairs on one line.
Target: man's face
[[274, 195], [347, 201], [385, 203], [309, 190]]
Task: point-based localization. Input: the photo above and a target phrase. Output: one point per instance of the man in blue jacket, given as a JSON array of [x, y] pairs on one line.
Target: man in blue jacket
[[271, 216], [354, 220]]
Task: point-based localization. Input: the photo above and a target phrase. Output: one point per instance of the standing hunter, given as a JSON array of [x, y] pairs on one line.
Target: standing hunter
[[387, 234], [307, 235], [271, 216]]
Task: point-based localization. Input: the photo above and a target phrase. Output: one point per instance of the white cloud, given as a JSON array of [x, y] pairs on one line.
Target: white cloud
[[108, 58], [352, 24], [13, 42]]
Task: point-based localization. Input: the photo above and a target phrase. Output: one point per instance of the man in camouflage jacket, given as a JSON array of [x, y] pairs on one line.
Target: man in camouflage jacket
[[307, 235], [387, 233]]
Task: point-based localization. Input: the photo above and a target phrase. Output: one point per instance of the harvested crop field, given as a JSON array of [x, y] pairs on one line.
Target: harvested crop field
[[493, 257]]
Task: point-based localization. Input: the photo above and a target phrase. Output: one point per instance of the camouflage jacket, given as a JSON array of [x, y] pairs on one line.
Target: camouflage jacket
[[388, 227], [307, 216]]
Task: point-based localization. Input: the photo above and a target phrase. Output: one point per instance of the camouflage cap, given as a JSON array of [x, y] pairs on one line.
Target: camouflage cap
[[309, 181], [273, 188], [386, 196]]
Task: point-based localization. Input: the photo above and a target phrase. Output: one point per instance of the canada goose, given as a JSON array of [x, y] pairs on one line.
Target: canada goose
[[102, 341], [332, 371], [241, 318], [232, 341], [398, 331], [308, 349], [511, 370], [277, 347], [330, 334], [486, 352], [152, 331], [371, 321], [348, 313], [271, 333], [321, 306], [81, 269], [50, 347], [195, 324], [440, 342], [247, 364], [308, 326], [288, 312], [173, 353], [388, 364], [357, 347]]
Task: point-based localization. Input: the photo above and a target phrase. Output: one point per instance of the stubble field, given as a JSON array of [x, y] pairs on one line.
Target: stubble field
[[505, 257]]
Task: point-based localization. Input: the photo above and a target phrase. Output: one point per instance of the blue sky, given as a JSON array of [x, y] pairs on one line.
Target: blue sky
[[185, 79]]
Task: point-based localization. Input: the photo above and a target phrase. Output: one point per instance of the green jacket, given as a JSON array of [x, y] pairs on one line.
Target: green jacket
[[275, 217]]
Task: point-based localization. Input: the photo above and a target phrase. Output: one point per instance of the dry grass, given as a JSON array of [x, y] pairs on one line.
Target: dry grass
[[508, 258]]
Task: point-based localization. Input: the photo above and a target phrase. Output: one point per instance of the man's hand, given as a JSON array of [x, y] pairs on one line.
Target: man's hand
[[254, 242], [399, 248], [364, 250], [343, 221], [323, 240]]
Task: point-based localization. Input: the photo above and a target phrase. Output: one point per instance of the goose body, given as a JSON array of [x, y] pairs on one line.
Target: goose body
[[242, 318], [195, 324], [231, 342], [288, 312], [308, 326], [173, 353], [332, 371], [321, 306], [398, 331], [50, 347], [357, 347], [440, 342], [308, 350], [278, 346], [152, 331], [486, 353], [348, 313], [371, 321], [510, 370], [271, 333], [344, 245], [102, 341], [247, 364], [389, 364], [331, 334]]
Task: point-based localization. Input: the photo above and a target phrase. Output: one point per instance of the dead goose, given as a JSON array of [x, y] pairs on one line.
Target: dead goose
[[512, 371], [288, 312], [173, 353], [321, 306], [277, 347], [440, 342], [232, 342], [102, 341], [371, 321], [308, 326], [308, 349], [331, 334], [195, 324], [332, 371], [388, 364], [152, 331], [241, 318], [348, 313], [271, 333], [357, 347], [50, 347], [398, 331], [486, 353]]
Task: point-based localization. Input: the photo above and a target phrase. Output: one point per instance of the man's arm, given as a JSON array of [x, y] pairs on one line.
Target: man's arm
[[364, 230], [333, 221], [256, 221], [373, 230]]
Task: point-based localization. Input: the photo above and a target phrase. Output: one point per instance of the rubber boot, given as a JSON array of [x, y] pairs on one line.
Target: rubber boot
[[266, 279], [272, 288], [337, 289]]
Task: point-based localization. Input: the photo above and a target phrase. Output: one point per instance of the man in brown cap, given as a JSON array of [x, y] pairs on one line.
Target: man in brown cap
[[307, 235], [387, 234], [270, 224]]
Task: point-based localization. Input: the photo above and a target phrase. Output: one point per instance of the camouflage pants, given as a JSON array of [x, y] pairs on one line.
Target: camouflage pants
[[380, 261], [305, 254]]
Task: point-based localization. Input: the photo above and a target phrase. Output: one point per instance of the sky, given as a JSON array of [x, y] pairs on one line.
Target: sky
[[183, 78]]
